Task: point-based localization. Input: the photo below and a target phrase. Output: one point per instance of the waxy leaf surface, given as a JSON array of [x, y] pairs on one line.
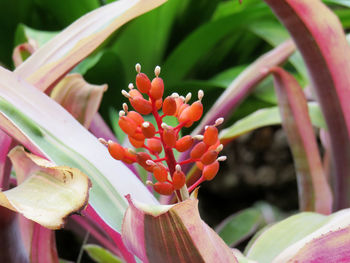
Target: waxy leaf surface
[[314, 190], [173, 233]]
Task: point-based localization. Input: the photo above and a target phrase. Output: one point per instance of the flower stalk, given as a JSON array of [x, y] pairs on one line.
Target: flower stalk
[[160, 140]]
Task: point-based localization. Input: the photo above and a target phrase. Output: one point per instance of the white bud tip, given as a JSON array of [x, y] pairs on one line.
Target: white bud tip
[[200, 94], [219, 148], [164, 126], [138, 67], [198, 137], [131, 86], [145, 124], [126, 94], [150, 162], [219, 121], [206, 127], [178, 168], [125, 107], [103, 141], [188, 97], [121, 113], [149, 183], [157, 71], [222, 158], [182, 98], [175, 95]]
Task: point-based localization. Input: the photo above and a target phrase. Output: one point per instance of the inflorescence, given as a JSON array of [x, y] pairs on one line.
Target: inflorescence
[[155, 140]]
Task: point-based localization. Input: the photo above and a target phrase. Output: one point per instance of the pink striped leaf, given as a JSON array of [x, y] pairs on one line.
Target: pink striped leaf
[[245, 83], [39, 241], [82, 100], [330, 247], [5, 166], [59, 55], [11, 245], [114, 235], [314, 191], [78, 97], [318, 238], [320, 38], [172, 233], [59, 137], [43, 245]]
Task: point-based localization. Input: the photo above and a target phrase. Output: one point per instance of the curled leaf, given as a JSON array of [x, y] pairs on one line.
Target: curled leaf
[[48, 193], [78, 97], [172, 233], [314, 191], [22, 52]]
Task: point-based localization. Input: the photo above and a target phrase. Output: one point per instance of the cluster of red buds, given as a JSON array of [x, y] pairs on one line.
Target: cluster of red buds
[[155, 140]]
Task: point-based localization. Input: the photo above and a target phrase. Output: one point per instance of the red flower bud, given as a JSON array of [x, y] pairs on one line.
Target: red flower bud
[[143, 83], [210, 135], [163, 188], [209, 171]]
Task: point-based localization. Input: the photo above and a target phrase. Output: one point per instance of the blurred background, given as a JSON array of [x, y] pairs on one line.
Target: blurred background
[[202, 44]]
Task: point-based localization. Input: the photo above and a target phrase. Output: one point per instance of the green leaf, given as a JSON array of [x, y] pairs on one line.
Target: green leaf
[[275, 239], [25, 33], [101, 255], [186, 55], [227, 8], [66, 11], [275, 34], [266, 117], [88, 63], [241, 225], [225, 78], [338, 2], [144, 40], [244, 84]]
